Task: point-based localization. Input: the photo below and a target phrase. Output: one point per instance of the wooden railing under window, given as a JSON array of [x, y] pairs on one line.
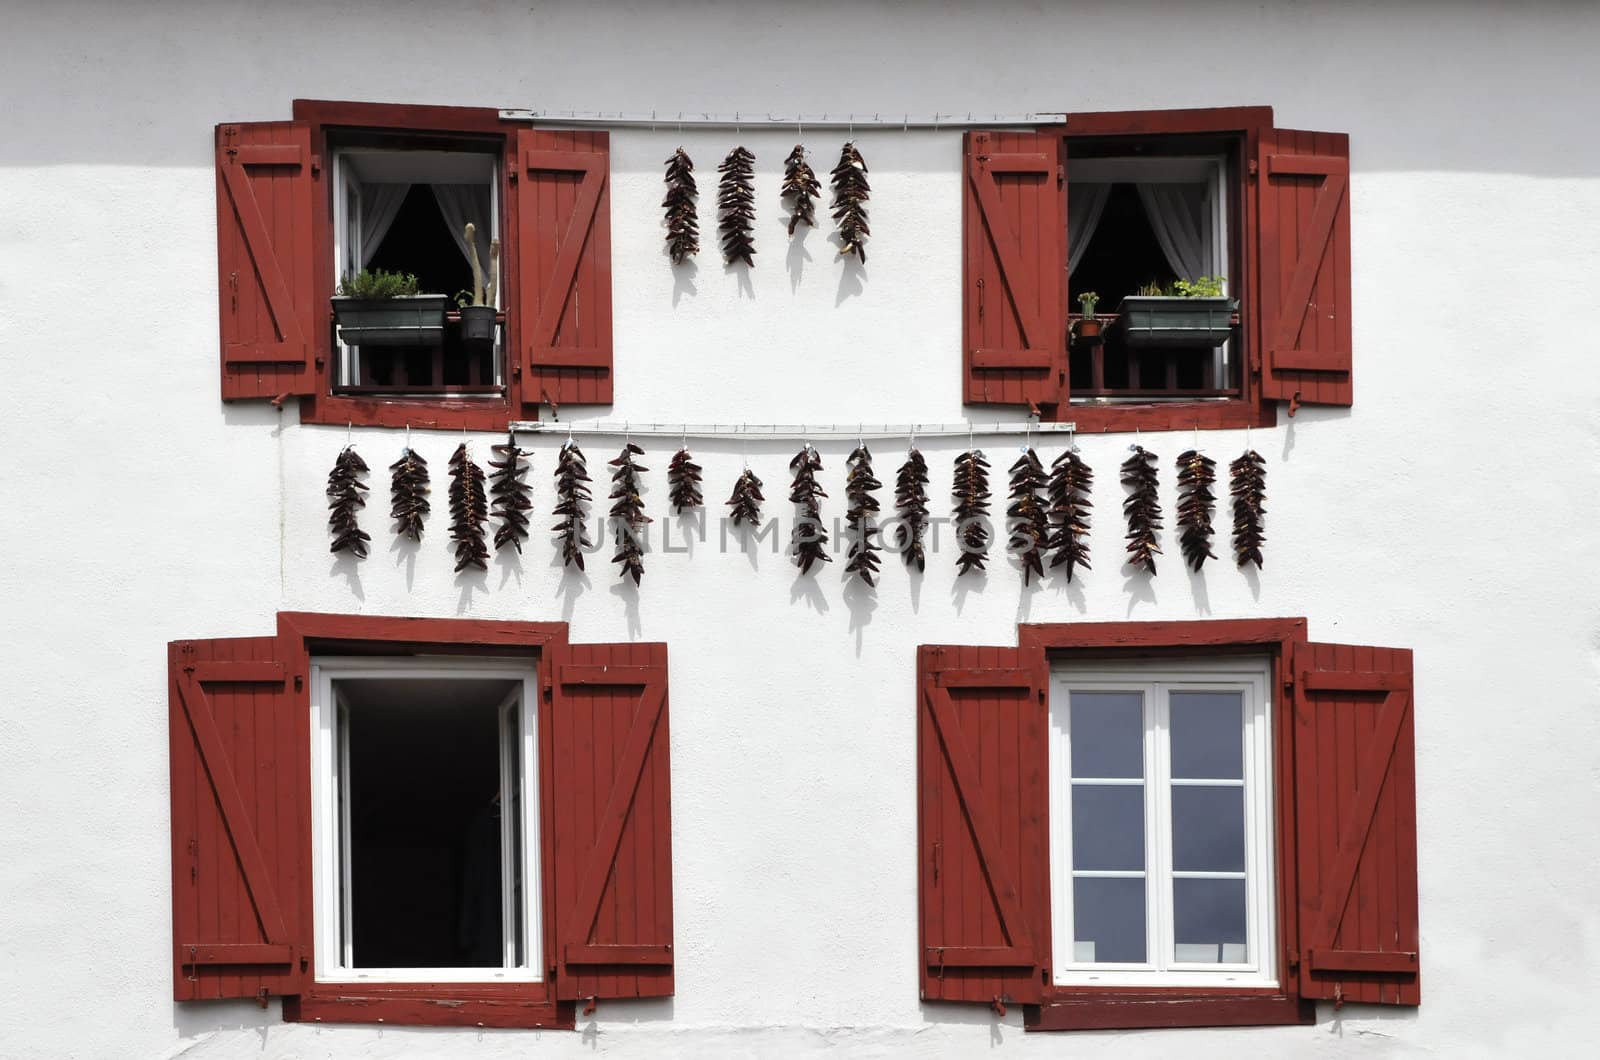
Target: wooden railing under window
[[1108, 368]]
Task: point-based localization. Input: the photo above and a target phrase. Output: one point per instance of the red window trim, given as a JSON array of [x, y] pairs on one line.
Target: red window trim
[[1252, 409], [487, 1004], [1089, 1008], [322, 406]]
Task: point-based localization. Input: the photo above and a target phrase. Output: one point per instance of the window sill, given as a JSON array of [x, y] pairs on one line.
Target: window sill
[[1094, 418], [473, 413], [522, 1005], [1068, 1009]]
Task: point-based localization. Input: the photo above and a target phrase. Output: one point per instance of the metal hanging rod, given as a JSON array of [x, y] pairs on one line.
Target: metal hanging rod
[[791, 431], [741, 120]]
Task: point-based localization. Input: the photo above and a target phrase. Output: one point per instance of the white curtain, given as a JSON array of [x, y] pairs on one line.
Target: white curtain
[[1177, 214], [380, 204], [1085, 204], [460, 203]]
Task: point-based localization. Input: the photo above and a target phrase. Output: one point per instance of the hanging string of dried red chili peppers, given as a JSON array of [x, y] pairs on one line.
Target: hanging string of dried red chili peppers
[[1141, 508], [850, 194], [911, 507], [469, 510], [1248, 487], [746, 499], [1196, 506], [408, 493], [511, 497], [860, 514], [736, 201], [1071, 481], [1029, 526], [346, 498], [683, 482], [809, 540], [801, 185], [572, 505], [683, 221], [627, 512], [971, 491]]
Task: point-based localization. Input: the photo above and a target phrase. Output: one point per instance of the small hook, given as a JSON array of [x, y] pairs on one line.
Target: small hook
[[911, 442], [348, 428]]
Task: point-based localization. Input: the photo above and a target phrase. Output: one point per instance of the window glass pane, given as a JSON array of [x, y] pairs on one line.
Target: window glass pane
[[1207, 735], [1107, 826], [1108, 917], [1207, 829], [1209, 917], [1107, 734]]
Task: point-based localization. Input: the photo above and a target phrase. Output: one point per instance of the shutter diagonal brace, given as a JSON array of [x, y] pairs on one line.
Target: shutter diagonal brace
[[608, 834], [1007, 898], [253, 866], [1314, 248], [263, 253], [542, 350], [1372, 776]]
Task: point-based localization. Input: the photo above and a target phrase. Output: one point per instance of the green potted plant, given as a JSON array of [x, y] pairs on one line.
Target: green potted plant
[[1088, 328], [375, 306], [1184, 313], [477, 305]]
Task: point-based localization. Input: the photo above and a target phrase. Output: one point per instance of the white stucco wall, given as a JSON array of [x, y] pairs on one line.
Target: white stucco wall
[[1452, 510]]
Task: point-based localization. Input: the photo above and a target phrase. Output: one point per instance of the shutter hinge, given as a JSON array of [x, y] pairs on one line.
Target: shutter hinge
[[1061, 175], [316, 165], [1254, 168]]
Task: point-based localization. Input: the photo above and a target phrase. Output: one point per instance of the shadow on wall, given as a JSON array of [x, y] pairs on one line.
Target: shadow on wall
[[156, 119], [194, 1019]]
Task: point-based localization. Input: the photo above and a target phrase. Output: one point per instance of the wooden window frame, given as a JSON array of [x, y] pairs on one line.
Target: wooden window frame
[[441, 411], [1243, 128], [1100, 1008]]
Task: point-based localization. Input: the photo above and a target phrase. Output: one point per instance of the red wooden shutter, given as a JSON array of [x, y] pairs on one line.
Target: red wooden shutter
[[1305, 267], [240, 819], [564, 261], [266, 280], [610, 814], [1356, 824], [1014, 226], [983, 824]]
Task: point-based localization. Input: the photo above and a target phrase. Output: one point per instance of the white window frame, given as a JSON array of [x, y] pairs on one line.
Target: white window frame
[[1157, 679], [1210, 170], [331, 892], [346, 228]]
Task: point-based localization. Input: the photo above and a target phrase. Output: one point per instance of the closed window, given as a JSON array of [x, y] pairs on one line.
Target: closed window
[[1166, 824], [1161, 840]]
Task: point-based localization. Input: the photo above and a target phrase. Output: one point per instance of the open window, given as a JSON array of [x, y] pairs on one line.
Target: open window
[[405, 212], [1133, 825], [424, 821], [306, 205], [1218, 249]]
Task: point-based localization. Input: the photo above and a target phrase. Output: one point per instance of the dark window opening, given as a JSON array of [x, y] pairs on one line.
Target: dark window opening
[[423, 843], [1123, 254]]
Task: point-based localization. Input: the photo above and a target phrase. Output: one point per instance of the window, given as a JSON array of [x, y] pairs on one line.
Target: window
[[434, 881], [1159, 824], [346, 186], [1138, 223], [406, 211], [1113, 203], [424, 821], [1161, 840]]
